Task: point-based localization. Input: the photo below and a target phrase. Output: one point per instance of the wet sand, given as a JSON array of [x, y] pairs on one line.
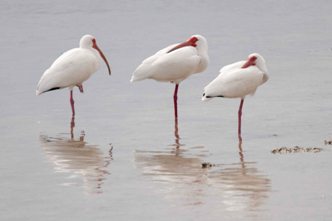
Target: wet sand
[[124, 159]]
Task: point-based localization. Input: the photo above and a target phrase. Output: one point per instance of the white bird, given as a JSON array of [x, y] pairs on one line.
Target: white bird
[[237, 80], [72, 68], [175, 63]]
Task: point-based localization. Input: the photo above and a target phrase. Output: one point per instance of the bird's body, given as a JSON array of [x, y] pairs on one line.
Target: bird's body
[[234, 81], [175, 63], [72, 68], [238, 80], [174, 66]]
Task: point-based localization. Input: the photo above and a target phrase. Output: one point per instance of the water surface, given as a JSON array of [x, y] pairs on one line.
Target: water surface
[[124, 159]]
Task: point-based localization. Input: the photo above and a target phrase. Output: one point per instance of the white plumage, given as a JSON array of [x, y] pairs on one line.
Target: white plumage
[[237, 81], [175, 63], [188, 58], [72, 68]]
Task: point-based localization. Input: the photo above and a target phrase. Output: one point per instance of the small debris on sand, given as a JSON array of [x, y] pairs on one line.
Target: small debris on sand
[[207, 165], [328, 142], [296, 149]]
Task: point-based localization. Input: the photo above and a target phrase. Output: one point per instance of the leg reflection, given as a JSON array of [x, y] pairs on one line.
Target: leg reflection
[[72, 125], [176, 134], [241, 152], [85, 164]]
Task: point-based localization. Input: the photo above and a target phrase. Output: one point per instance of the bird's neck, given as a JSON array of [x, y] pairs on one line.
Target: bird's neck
[[203, 62], [262, 67]]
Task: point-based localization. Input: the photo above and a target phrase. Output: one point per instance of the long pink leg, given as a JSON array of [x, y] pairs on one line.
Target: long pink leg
[[175, 99], [72, 103], [239, 120]]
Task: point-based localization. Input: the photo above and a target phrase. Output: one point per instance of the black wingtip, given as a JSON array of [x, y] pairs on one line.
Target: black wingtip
[[214, 96], [52, 89]]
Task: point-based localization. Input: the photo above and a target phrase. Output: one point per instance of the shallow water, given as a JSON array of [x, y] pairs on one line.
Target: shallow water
[[120, 160]]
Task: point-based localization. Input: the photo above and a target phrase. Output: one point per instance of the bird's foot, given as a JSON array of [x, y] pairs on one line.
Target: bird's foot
[[80, 87]]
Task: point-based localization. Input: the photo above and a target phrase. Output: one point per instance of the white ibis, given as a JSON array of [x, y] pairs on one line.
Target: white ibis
[[175, 63], [237, 80], [72, 68]]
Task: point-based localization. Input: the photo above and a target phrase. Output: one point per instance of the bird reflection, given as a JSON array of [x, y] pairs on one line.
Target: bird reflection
[[177, 143], [85, 164], [243, 186], [238, 186], [176, 168]]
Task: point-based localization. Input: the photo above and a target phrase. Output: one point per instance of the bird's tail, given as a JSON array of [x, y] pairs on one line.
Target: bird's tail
[[206, 98], [135, 78], [209, 97], [132, 79], [38, 92]]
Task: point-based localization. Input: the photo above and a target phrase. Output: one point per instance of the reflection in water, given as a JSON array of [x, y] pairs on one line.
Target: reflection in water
[[72, 125], [176, 134], [243, 186], [177, 169], [177, 143], [233, 187], [77, 159]]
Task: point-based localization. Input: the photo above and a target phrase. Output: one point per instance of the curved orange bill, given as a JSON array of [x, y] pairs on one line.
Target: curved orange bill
[[190, 42], [102, 56], [251, 61]]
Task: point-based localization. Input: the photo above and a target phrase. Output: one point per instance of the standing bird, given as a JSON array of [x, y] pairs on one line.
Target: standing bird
[[238, 80], [72, 68], [175, 63]]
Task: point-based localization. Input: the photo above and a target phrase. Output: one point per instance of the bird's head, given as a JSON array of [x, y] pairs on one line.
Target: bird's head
[[257, 60], [89, 42], [200, 42], [196, 41]]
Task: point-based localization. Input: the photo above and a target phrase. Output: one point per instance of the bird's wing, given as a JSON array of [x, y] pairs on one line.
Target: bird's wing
[[71, 68], [158, 54], [233, 66], [235, 83], [163, 66]]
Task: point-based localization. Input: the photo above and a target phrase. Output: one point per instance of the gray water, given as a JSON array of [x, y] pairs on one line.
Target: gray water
[[122, 160]]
